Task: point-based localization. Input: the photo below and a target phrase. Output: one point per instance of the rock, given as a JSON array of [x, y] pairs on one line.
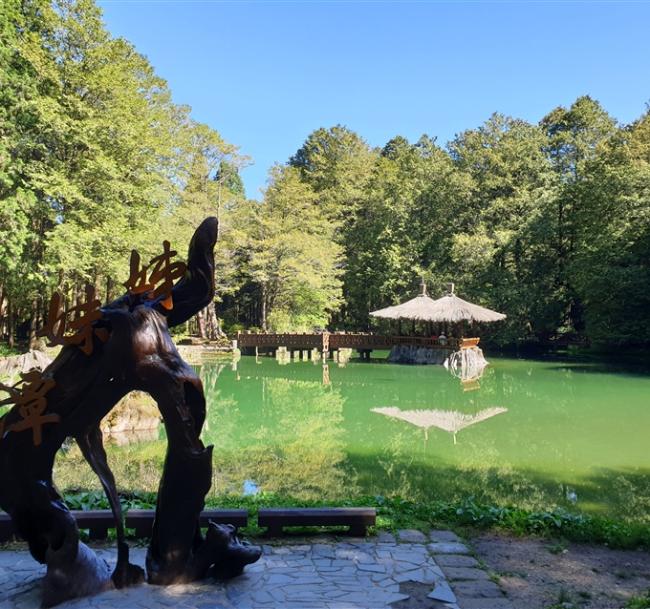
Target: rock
[[11, 367], [411, 354], [136, 414]]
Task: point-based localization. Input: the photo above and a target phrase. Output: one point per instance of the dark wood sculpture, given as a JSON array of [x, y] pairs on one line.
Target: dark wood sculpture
[[121, 347]]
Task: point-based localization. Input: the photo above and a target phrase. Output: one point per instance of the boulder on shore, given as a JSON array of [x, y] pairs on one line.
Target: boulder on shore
[[135, 412], [11, 367]]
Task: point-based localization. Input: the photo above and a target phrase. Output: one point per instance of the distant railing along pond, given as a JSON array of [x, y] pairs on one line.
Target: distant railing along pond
[[333, 341]]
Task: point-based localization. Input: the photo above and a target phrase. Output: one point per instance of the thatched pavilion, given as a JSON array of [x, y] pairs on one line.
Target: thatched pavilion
[[447, 310]]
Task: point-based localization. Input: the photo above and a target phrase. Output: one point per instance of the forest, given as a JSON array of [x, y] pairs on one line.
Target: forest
[[548, 222]]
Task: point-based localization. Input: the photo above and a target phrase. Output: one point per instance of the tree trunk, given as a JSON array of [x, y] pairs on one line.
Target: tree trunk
[[213, 326], [2, 311], [200, 319], [109, 288], [33, 321], [10, 325], [263, 308]]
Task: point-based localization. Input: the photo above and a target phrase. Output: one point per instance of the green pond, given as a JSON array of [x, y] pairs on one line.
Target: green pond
[[530, 433]]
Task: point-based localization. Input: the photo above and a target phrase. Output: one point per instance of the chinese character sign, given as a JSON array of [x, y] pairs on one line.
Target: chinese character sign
[[81, 325], [28, 397], [157, 278]]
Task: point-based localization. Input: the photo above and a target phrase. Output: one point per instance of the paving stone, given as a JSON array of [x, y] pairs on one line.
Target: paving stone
[[477, 589], [448, 548], [486, 603], [385, 537], [456, 560], [372, 567], [411, 536], [461, 573], [442, 592], [278, 579], [346, 575], [444, 537]]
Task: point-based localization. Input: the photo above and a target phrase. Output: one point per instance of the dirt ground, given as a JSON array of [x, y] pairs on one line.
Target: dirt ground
[[538, 574]]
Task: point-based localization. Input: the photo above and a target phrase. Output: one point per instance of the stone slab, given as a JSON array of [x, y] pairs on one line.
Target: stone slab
[[363, 574], [444, 537], [465, 573], [411, 536], [448, 548], [486, 603], [456, 560], [477, 589]]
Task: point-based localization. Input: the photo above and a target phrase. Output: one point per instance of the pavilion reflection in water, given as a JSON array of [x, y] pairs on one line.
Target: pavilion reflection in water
[[451, 421], [468, 371]]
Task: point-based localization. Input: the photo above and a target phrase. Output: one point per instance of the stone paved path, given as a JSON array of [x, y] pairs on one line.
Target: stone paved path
[[410, 572]]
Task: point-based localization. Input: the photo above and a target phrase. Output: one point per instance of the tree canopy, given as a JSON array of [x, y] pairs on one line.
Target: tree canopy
[[548, 222]]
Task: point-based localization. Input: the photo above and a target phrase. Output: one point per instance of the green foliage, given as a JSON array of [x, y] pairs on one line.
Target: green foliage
[[95, 158], [549, 223], [639, 602], [395, 513], [290, 256]]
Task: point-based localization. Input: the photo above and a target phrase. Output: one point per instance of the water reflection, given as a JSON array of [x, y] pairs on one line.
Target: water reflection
[[451, 421], [571, 437], [285, 434], [468, 370]]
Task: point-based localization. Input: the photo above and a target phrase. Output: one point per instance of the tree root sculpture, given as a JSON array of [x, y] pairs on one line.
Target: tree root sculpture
[[127, 347]]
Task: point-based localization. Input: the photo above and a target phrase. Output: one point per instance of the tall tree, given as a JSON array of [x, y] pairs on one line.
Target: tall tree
[[294, 260]]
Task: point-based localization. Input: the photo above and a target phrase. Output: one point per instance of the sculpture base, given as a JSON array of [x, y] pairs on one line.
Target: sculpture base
[[87, 575]]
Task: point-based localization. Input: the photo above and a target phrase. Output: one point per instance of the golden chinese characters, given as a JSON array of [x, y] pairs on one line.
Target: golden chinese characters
[[30, 402], [162, 272], [81, 326]]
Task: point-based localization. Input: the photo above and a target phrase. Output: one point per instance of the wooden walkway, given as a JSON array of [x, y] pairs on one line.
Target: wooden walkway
[[327, 342]]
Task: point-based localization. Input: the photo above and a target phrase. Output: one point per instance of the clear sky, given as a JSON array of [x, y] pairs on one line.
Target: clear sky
[[267, 73]]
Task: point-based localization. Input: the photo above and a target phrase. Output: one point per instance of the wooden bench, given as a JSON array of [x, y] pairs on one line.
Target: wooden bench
[[142, 520], [357, 519], [97, 522]]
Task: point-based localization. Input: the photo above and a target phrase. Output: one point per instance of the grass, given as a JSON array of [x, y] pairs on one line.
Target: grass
[[395, 513], [6, 351], [639, 602]]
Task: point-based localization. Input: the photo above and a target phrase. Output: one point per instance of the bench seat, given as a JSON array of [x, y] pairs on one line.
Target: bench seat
[[357, 519]]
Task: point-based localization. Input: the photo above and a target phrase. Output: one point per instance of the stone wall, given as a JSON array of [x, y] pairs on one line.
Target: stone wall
[[412, 354]]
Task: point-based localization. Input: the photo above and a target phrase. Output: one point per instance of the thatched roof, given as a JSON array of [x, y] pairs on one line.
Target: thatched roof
[[449, 308]]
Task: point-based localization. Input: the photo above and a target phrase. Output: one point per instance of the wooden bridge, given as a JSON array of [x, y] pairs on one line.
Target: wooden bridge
[[327, 342]]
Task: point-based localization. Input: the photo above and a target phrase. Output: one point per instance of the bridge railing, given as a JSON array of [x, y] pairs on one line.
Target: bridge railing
[[326, 341]]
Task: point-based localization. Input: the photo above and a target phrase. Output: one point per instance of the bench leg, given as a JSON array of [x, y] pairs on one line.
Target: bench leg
[[97, 533], [143, 531], [358, 530], [274, 530]]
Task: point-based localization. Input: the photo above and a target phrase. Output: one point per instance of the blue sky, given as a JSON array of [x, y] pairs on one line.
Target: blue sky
[[265, 74]]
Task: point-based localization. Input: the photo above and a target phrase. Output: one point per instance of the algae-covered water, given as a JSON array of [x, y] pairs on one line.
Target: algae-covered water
[[529, 433]]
